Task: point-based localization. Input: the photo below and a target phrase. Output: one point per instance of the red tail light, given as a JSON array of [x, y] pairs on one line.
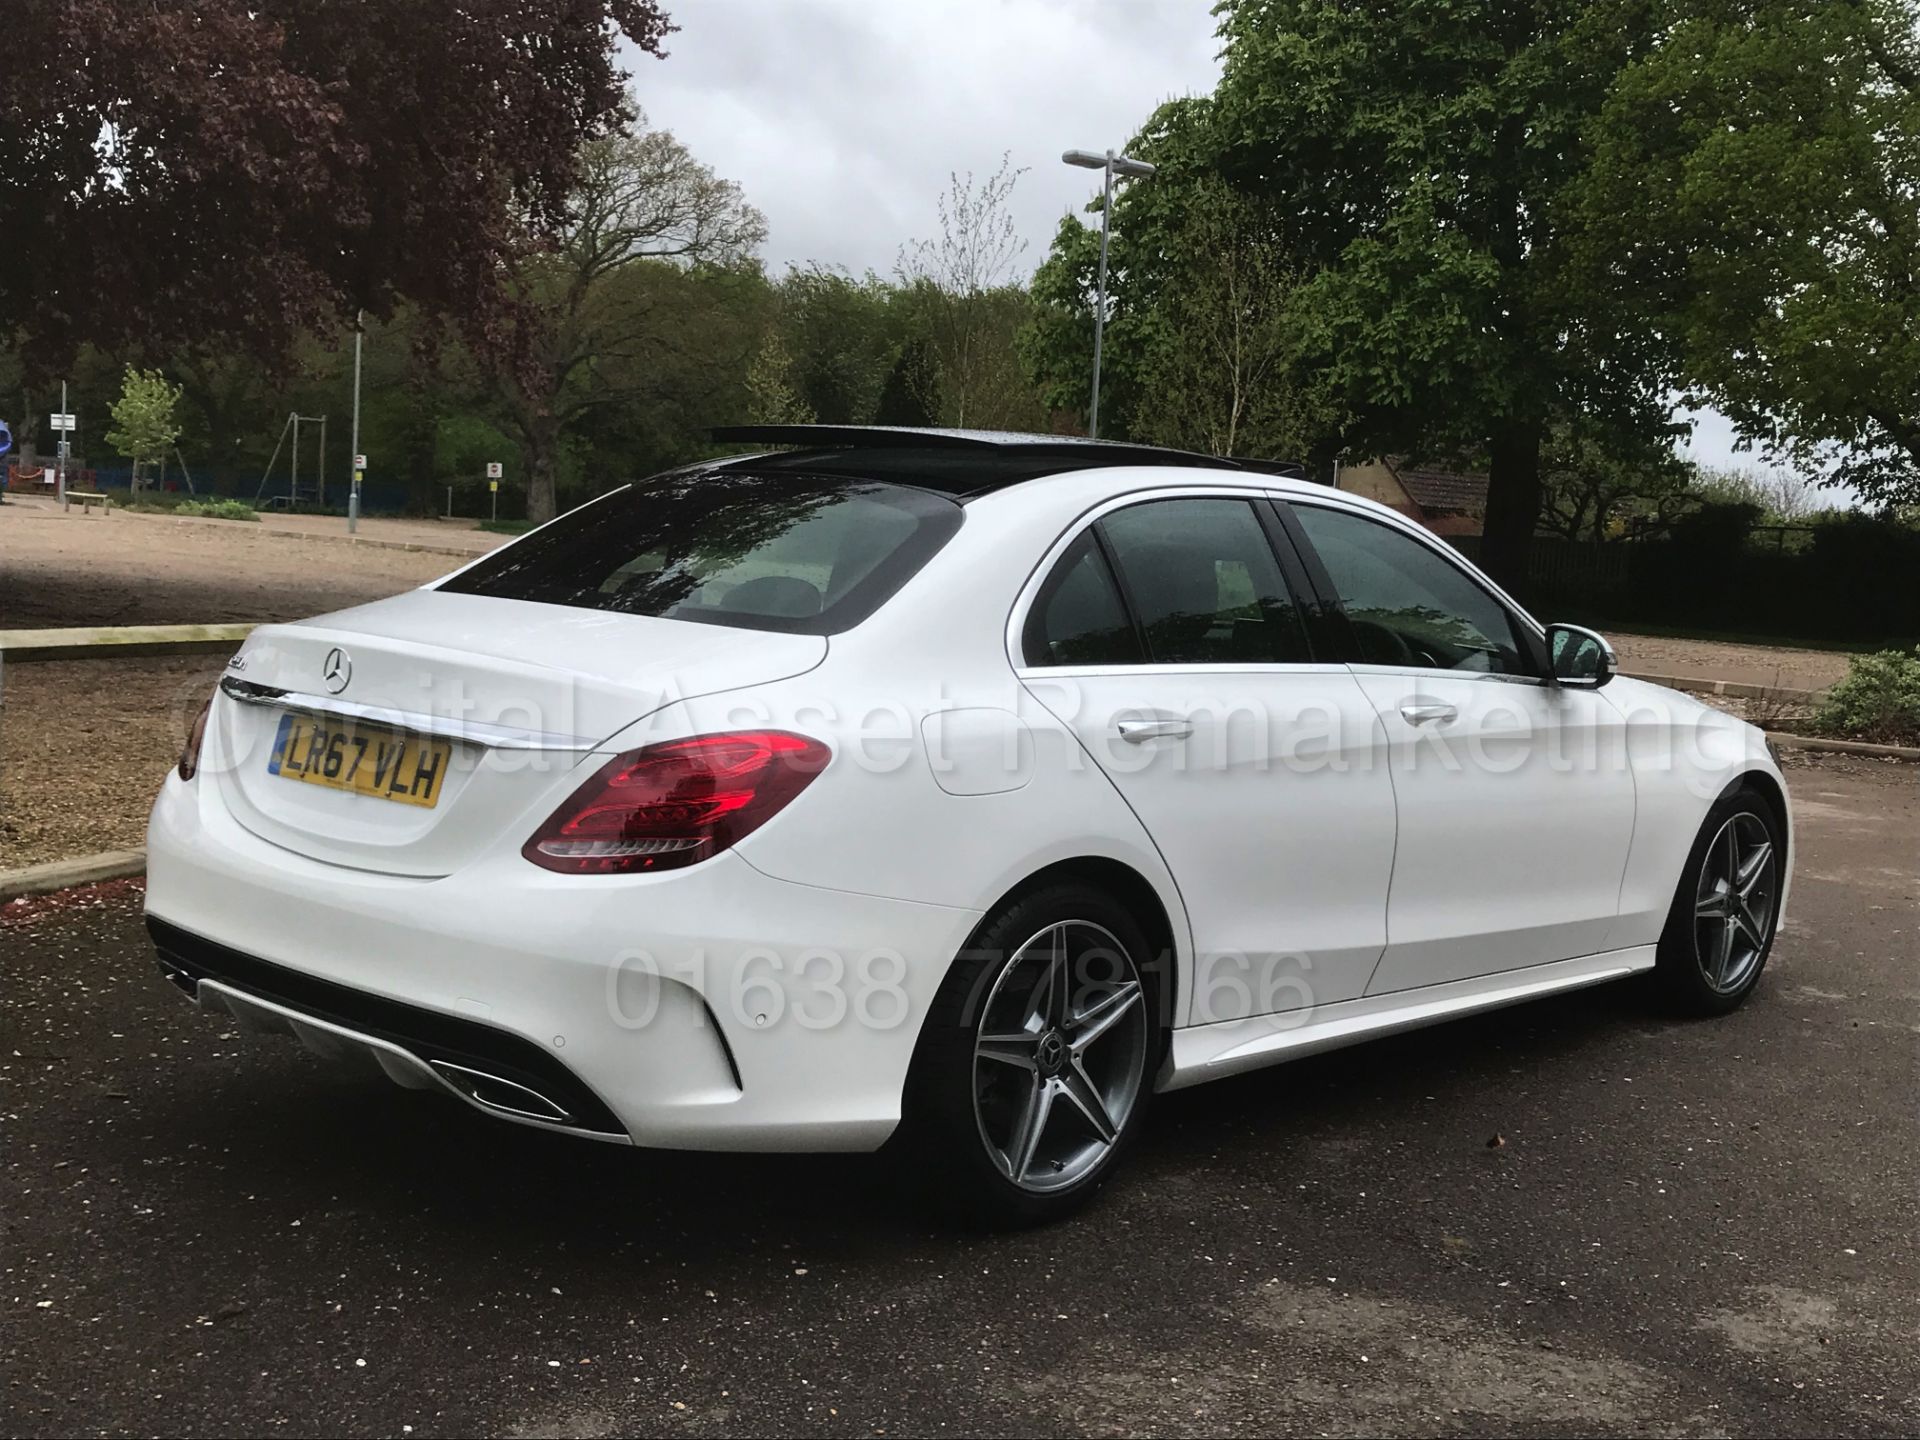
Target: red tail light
[[676, 803], [196, 737]]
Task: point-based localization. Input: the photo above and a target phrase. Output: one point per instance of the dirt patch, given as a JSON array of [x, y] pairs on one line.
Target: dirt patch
[[84, 745], [1781, 1320], [72, 569], [1361, 1365]]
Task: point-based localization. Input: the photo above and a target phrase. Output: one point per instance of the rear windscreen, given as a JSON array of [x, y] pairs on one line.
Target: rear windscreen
[[802, 555]]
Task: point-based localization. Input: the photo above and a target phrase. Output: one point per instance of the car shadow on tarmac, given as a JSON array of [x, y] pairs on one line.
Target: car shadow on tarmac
[[380, 1150]]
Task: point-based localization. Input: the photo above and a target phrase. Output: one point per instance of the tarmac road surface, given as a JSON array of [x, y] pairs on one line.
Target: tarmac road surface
[[1697, 1229]]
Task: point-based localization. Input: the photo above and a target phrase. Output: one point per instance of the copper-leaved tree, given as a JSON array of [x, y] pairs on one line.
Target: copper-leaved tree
[[245, 170]]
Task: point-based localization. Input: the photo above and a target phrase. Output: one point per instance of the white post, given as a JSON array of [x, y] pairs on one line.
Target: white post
[[353, 495]]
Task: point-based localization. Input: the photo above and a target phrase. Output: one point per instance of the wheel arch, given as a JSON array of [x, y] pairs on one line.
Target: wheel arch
[[1773, 794], [1770, 790], [1142, 899]]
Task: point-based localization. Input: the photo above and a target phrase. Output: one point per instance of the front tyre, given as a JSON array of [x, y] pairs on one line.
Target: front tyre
[[1037, 1059], [1721, 928]]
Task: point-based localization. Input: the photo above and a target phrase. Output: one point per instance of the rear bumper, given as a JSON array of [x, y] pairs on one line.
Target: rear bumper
[[711, 1008], [493, 1070]]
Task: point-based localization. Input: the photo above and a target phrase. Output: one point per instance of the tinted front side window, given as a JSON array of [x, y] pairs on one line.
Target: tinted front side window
[[808, 556], [1204, 583], [1408, 604]]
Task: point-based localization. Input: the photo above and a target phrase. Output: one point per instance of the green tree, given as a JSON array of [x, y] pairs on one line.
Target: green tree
[[911, 395], [1598, 485], [591, 334], [144, 422], [1151, 219], [1214, 368], [772, 397], [1428, 155], [1757, 178], [841, 333], [1783, 497]]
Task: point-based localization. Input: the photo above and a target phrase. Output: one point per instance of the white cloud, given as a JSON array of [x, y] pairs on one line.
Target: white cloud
[[842, 119]]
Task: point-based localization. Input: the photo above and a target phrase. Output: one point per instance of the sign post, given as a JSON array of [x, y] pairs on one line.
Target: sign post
[[62, 426], [359, 460], [494, 472]]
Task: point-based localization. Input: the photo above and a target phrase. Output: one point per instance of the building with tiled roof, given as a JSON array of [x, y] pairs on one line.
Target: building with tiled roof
[[1447, 502]]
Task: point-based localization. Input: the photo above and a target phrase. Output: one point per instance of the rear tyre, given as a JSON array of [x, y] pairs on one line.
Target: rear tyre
[[1721, 927], [1037, 1060]]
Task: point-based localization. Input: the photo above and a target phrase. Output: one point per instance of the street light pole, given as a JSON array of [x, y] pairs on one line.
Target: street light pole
[[1112, 165], [1100, 314]]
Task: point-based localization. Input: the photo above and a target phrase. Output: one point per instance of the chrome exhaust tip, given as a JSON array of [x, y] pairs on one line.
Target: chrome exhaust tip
[[180, 979], [508, 1097]]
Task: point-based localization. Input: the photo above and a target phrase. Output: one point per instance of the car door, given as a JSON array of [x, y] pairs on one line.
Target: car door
[[1167, 635], [1515, 798]]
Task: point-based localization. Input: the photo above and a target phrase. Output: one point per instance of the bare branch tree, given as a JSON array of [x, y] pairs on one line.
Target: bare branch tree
[[967, 280]]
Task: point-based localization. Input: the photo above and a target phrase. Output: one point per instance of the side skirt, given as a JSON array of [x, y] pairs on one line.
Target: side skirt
[[1227, 1047]]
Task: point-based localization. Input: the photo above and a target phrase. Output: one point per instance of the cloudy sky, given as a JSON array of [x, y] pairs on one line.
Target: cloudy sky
[[842, 119]]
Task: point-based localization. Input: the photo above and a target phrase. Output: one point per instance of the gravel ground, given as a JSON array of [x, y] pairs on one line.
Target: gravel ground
[[1712, 660], [84, 745], [1691, 1228], [73, 569]]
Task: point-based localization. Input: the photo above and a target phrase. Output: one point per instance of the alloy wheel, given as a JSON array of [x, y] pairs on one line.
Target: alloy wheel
[[1059, 1056], [1733, 909]]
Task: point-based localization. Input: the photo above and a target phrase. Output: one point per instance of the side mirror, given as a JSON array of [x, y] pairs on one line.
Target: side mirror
[[1582, 660]]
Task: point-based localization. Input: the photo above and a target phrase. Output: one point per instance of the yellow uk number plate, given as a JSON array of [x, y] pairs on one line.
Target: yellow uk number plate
[[374, 760]]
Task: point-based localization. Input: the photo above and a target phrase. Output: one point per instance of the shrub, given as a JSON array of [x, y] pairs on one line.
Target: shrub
[[172, 502], [1879, 700], [149, 500], [219, 509]]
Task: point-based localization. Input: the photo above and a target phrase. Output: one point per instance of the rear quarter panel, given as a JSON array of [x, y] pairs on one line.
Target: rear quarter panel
[[949, 784]]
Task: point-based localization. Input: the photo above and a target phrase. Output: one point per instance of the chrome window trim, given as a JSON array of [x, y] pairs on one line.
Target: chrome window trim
[[1490, 676], [1090, 672], [473, 732]]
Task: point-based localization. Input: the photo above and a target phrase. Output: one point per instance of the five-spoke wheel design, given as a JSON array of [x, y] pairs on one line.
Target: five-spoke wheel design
[[1059, 1056], [1733, 907]]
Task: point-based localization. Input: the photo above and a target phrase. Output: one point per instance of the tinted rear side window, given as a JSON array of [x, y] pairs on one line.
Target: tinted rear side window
[[805, 556], [1205, 584], [1079, 618]]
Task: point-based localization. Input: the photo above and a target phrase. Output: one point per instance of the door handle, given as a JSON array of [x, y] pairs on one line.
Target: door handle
[[1425, 712], [1164, 728]]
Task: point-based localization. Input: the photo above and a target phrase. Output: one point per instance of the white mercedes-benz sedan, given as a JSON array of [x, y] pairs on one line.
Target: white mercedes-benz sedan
[[948, 789]]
